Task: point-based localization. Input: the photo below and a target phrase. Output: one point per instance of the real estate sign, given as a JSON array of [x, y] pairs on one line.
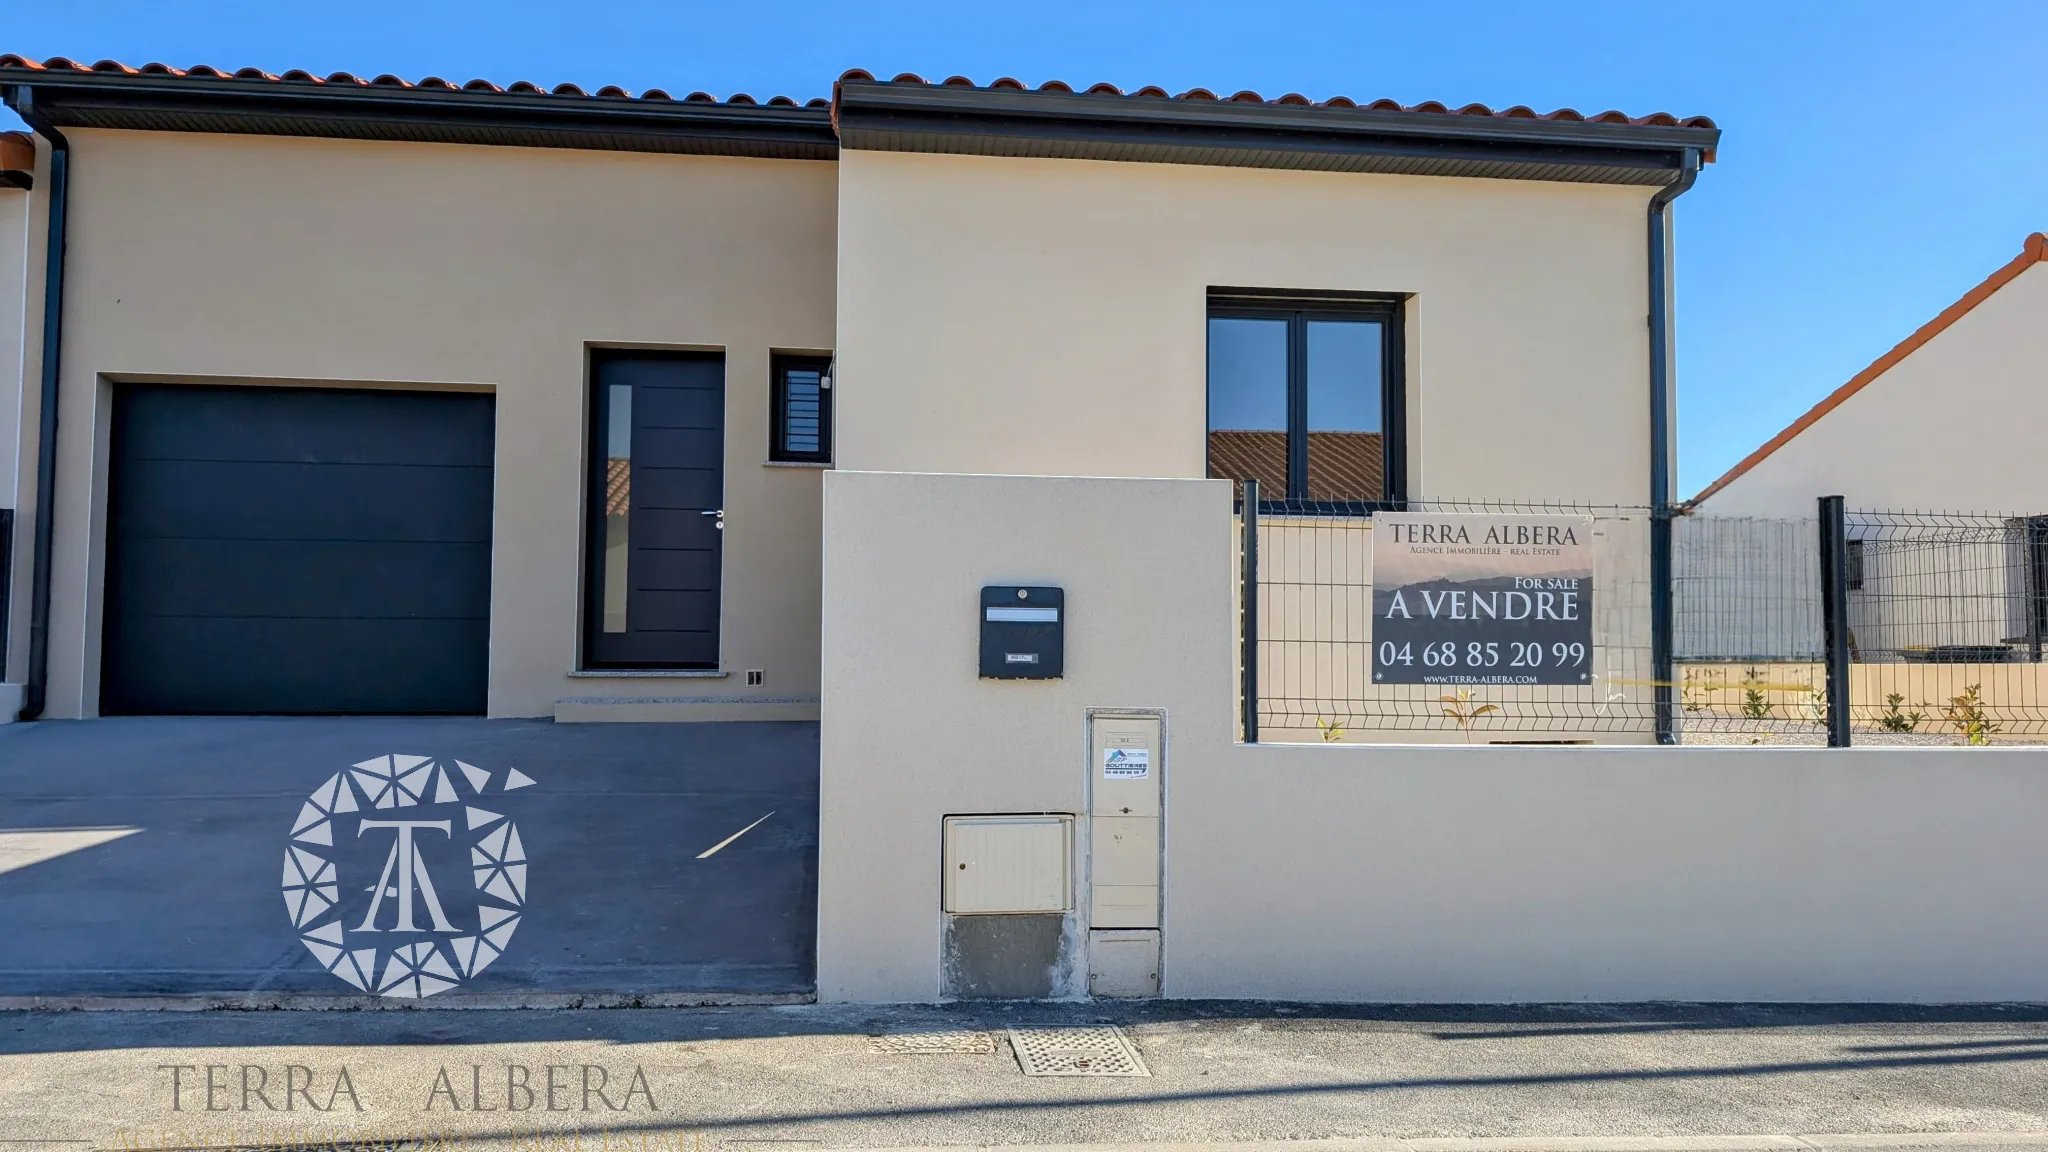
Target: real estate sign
[[1477, 598]]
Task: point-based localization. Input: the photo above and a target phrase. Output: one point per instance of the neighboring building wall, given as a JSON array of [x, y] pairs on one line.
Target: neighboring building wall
[[1370, 873], [264, 260], [1048, 316], [1946, 428]]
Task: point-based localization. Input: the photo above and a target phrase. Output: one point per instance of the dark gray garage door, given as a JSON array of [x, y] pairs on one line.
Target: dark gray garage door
[[291, 550]]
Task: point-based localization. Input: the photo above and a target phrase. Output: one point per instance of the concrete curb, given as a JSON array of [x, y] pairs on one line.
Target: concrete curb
[[304, 1002], [1805, 1142]]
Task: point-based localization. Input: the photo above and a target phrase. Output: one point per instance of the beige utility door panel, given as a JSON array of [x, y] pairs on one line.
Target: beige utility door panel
[[998, 864], [1123, 824]]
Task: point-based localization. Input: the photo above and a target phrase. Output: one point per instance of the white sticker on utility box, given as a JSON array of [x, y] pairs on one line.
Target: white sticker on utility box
[[1125, 757]]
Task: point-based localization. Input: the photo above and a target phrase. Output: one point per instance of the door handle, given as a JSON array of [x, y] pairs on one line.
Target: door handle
[[718, 512]]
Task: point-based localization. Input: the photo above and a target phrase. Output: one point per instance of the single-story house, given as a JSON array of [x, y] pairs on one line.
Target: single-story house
[[388, 397], [363, 396]]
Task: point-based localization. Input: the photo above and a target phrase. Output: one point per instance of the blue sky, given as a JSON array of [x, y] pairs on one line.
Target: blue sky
[[1880, 158]]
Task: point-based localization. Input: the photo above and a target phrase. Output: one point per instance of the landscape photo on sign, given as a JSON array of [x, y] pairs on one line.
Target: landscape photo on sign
[[1480, 598]]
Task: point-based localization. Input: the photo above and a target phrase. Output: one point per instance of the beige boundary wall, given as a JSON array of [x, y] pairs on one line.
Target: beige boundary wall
[[222, 259], [1359, 872]]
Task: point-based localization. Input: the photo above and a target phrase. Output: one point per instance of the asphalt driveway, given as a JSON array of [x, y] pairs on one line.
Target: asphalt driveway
[[141, 857]]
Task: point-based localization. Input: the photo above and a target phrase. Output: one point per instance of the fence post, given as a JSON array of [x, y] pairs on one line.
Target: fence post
[[1663, 669], [1834, 615], [1249, 623], [2036, 582]]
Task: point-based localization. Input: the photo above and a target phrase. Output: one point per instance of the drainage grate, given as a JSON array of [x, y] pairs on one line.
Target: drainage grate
[[1091, 1051], [935, 1043]]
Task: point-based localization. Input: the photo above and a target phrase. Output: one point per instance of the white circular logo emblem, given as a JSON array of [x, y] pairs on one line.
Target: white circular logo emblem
[[402, 878]]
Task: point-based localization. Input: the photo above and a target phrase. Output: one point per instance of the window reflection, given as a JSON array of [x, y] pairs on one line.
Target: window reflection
[[618, 500], [1248, 402], [1346, 451]]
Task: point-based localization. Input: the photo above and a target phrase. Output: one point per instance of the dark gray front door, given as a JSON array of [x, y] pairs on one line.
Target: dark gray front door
[[657, 485], [297, 550]]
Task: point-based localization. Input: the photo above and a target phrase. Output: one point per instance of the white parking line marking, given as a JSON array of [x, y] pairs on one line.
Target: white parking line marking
[[21, 847], [729, 839]]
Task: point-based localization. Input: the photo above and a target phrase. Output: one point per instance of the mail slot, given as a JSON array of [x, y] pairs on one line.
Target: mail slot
[[1022, 632]]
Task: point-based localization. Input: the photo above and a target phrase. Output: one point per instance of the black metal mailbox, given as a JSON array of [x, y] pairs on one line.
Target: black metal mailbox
[[1022, 632]]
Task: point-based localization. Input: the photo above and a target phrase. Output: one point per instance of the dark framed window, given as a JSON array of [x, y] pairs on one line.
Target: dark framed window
[[1306, 396], [655, 517], [800, 409]]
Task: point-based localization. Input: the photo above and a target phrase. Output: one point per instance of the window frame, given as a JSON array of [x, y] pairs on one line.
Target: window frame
[[779, 366], [1299, 308]]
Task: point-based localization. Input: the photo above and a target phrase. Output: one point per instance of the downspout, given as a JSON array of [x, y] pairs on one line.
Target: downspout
[[35, 688], [1663, 667]]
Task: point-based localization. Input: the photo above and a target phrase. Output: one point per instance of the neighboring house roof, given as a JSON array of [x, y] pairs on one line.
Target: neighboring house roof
[[2034, 251], [904, 114]]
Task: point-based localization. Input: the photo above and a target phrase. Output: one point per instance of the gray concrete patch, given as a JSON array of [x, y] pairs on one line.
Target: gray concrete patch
[[1628, 1079], [190, 907]]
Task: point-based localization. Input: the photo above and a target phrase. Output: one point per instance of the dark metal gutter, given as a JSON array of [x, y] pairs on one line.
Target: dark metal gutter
[[35, 686], [1662, 405], [877, 116], [432, 115]]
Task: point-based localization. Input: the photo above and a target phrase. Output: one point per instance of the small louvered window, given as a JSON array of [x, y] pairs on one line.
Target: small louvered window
[[801, 421]]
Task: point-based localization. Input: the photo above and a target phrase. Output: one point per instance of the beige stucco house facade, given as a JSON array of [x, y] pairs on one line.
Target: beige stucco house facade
[[670, 316]]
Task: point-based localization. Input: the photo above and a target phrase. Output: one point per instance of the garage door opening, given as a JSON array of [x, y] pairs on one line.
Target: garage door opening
[[297, 551]]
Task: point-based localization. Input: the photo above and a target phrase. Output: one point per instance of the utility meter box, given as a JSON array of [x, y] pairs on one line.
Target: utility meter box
[[996, 864], [1022, 632], [1124, 821]]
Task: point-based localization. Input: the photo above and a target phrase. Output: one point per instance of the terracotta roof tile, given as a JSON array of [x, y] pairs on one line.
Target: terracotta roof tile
[[15, 63], [11, 63], [1427, 107]]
